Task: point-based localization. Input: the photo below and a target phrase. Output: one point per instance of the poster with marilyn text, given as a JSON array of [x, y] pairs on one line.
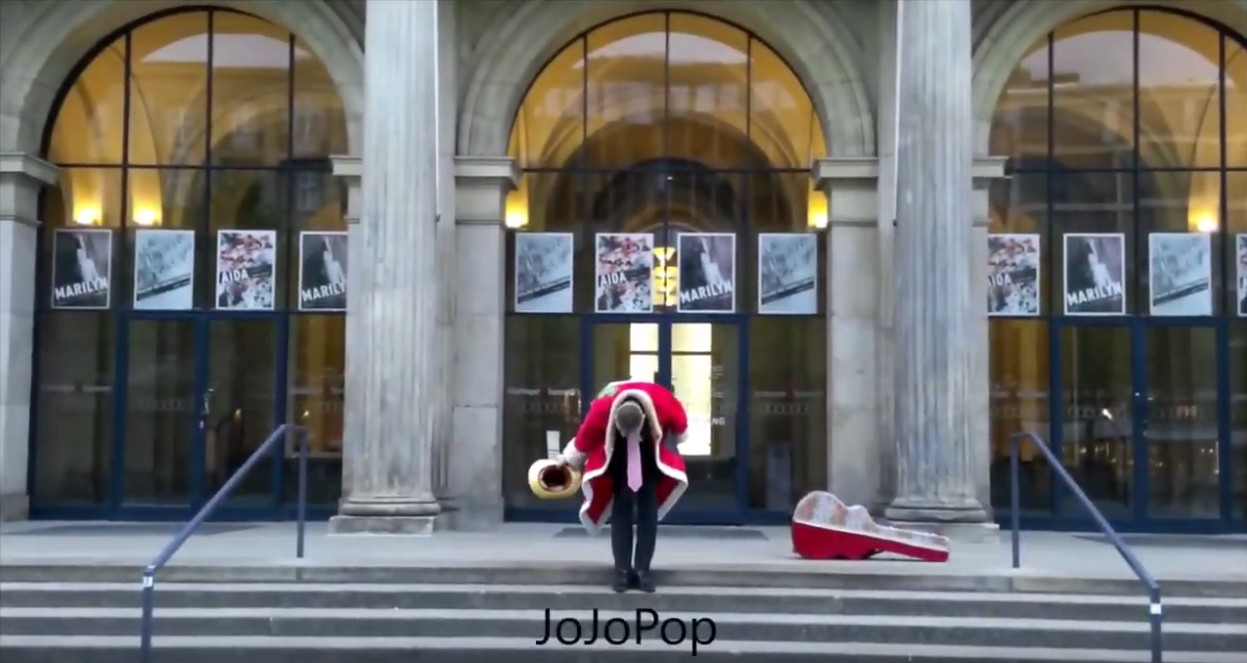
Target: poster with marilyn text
[[1095, 274], [82, 268], [322, 271], [707, 272]]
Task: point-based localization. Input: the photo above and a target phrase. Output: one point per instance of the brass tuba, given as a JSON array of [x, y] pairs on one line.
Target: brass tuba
[[550, 481]]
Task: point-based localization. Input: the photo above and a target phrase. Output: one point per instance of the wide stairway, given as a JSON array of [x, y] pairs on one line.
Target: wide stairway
[[84, 614]]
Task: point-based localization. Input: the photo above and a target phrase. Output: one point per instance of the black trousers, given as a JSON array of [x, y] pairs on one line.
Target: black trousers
[[639, 509]]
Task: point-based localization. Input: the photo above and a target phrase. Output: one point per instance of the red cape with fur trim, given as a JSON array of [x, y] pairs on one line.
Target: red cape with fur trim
[[595, 442]]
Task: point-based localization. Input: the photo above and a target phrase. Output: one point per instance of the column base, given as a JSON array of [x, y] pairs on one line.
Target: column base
[[919, 510]]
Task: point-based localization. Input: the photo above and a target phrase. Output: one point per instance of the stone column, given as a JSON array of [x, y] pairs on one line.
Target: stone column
[[481, 188], [986, 170], [853, 451], [391, 459], [936, 307], [350, 169], [21, 179]]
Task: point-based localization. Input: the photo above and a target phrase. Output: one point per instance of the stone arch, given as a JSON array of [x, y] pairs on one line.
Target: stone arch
[[816, 44], [48, 40], [1006, 35]]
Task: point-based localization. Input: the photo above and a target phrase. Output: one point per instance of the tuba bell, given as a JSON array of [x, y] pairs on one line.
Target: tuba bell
[[551, 481]]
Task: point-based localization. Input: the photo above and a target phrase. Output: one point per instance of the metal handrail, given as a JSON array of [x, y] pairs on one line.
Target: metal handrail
[[1144, 576], [171, 548]]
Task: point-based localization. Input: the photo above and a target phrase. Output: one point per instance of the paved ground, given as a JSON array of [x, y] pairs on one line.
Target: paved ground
[[264, 544]]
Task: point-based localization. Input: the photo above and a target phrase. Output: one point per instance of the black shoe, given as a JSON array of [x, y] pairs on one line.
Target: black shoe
[[645, 581], [622, 581]]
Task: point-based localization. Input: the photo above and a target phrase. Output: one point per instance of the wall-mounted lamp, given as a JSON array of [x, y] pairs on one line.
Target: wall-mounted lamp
[[1206, 223], [87, 216], [145, 216], [818, 210], [516, 210]]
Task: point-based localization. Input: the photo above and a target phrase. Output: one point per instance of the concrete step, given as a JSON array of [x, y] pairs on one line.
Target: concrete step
[[819, 576], [526, 626], [585, 597], [273, 649]]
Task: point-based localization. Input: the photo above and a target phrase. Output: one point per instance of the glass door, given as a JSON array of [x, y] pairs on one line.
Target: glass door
[[1179, 420], [163, 413], [200, 399], [700, 361]]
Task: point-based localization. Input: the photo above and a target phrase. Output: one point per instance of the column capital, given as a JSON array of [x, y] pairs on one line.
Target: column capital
[[831, 169], [481, 188], [23, 175], [351, 169], [987, 169], [21, 163]]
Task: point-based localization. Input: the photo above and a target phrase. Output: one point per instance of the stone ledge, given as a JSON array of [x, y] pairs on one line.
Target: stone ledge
[[14, 507]]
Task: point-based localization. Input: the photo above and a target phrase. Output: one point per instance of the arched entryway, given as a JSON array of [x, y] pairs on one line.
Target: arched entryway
[[194, 209], [662, 230], [1127, 134]]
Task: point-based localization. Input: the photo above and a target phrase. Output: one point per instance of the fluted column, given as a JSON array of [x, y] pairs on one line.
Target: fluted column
[[391, 468], [935, 310]]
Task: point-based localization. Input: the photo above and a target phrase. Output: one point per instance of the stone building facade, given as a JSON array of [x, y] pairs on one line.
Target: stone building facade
[[430, 393]]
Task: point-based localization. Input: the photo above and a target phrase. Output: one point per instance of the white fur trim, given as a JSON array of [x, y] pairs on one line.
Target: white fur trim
[[681, 439], [572, 455]]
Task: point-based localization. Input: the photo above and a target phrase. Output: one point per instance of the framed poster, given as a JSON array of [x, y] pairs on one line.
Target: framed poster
[[707, 272], [82, 268], [322, 271], [787, 273], [1013, 274], [1240, 258], [623, 278], [543, 272], [164, 270], [245, 270], [1179, 274], [1095, 270]]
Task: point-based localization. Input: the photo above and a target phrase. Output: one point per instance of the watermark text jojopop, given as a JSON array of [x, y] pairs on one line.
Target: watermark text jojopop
[[617, 631]]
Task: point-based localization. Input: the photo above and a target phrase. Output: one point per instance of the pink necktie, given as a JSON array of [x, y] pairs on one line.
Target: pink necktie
[[634, 461]]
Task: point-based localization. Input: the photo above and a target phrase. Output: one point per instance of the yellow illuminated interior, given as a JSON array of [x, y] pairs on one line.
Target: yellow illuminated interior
[[692, 374]]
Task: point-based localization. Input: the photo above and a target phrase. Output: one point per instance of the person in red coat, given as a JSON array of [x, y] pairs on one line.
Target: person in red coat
[[628, 446]]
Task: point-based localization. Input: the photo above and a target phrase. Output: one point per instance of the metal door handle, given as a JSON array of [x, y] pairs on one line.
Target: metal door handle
[[206, 409]]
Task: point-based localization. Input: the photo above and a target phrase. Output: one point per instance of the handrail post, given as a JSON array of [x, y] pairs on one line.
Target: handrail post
[[302, 506], [149, 600], [1015, 499], [1155, 614]]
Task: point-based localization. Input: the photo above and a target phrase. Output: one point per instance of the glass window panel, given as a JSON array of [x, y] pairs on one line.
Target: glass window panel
[[74, 415], [626, 84], [239, 409], [319, 128], [251, 80], [251, 200], [1186, 269], [171, 199], [548, 201], [707, 93], [1019, 204], [88, 198], [169, 91], [90, 120], [1179, 100], [1236, 242], [1181, 429], [1093, 95], [1020, 388], [316, 392], [783, 125], [626, 201], [1098, 418], [1020, 125], [700, 201], [162, 412], [549, 128], [1235, 103], [787, 410], [317, 205], [1094, 203], [708, 383], [1238, 419], [542, 397], [643, 337]]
